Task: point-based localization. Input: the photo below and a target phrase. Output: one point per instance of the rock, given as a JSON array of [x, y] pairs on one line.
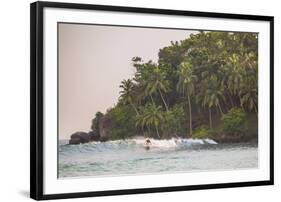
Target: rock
[[233, 139], [74, 141], [105, 124], [93, 136], [79, 137], [104, 138]]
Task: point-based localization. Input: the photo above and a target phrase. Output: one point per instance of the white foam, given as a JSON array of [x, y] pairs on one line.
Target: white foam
[[172, 143], [161, 144], [210, 141]]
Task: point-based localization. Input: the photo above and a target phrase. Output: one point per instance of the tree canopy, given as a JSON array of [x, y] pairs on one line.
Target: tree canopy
[[195, 82]]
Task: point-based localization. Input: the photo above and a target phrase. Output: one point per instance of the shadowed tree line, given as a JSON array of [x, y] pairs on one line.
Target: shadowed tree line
[[203, 86]]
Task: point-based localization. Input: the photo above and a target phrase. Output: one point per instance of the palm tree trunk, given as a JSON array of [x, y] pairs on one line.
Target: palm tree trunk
[[151, 99], [166, 106], [210, 118], [157, 131], [149, 132], [190, 115], [230, 98], [256, 110], [137, 115], [143, 132], [243, 108], [220, 108], [134, 108]]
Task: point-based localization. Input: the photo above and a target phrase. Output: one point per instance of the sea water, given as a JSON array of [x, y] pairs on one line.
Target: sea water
[[129, 157]]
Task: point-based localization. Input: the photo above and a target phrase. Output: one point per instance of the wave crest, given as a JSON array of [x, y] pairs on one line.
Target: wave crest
[[138, 142], [174, 142]]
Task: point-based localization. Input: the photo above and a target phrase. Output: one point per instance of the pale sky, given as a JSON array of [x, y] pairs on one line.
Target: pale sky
[[93, 60]]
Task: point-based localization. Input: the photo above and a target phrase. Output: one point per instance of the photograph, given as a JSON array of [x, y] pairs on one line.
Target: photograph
[[136, 100]]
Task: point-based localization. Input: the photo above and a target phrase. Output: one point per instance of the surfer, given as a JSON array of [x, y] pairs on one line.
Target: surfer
[[147, 144]]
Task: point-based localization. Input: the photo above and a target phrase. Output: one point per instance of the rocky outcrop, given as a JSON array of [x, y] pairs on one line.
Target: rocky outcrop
[[79, 137], [93, 136], [235, 139], [75, 141], [105, 124]]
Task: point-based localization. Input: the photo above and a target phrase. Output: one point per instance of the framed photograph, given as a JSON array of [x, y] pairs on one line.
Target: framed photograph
[[129, 100]]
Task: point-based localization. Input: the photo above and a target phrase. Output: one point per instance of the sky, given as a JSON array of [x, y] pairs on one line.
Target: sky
[[93, 60]]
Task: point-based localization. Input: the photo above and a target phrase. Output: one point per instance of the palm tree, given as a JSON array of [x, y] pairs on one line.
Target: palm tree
[[151, 115], [234, 74], [142, 78], [249, 99], [249, 92], [213, 93], [127, 93], [186, 86], [249, 87], [157, 82]]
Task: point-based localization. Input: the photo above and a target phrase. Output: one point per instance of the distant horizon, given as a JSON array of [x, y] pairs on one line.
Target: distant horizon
[[93, 60]]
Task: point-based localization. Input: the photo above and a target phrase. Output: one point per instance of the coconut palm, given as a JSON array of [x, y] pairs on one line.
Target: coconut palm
[[249, 99], [157, 83], [142, 78], [127, 93], [234, 74], [213, 93], [151, 115], [186, 86], [249, 92]]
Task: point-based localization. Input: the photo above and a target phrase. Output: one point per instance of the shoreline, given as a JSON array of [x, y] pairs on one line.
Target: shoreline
[[220, 140]]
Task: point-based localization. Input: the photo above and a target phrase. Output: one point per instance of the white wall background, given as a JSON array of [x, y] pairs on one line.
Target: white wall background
[[14, 101]]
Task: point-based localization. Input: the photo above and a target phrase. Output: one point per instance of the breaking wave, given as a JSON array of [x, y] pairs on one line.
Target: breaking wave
[[131, 156], [138, 142], [174, 142]]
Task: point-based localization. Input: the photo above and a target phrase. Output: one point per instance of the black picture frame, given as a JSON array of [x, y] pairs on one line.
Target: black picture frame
[[36, 98]]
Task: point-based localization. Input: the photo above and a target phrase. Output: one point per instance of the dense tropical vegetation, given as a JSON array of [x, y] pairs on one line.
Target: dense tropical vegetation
[[205, 85]]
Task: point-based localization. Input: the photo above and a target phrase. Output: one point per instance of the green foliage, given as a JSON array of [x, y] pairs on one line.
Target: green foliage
[[207, 73], [95, 123], [186, 85], [202, 133], [234, 122], [151, 116], [123, 120], [187, 78], [174, 121], [128, 93]]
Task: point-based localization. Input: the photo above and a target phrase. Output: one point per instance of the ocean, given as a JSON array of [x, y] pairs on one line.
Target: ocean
[[129, 157]]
